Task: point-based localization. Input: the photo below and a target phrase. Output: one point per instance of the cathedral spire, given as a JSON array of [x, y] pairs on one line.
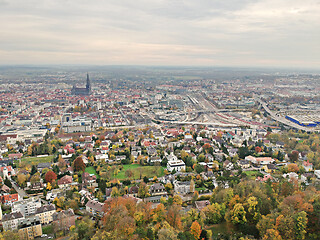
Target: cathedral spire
[[88, 86]]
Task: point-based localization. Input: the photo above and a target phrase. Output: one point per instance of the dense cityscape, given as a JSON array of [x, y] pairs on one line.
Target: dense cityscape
[[159, 153]]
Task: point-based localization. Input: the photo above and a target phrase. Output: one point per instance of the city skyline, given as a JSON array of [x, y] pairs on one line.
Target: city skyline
[[183, 33]]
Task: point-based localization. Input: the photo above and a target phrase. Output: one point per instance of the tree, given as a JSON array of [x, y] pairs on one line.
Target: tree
[[50, 177], [238, 214], [301, 221], [199, 168], [195, 229], [129, 173], [167, 234], [294, 156], [272, 234], [253, 214], [62, 164], [168, 187], [49, 186], [10, 235], [21, 178], [258, 149], [79, 165], [192, 186], [285, 226], [214, 213], [143, 191], [159, 213], [33, 170], [292, 167], [85, 229], [7, 182], [35, 178], [115, 192], [174, 216]]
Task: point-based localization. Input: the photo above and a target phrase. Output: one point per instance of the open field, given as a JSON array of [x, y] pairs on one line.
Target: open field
[[36, 160], [91, 170], [149, 171]]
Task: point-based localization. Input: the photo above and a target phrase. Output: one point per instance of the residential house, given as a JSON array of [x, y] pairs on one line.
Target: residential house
[[65, 181], [308, 166], [317, 173], [29, 228], [7, 171], [95, 208], [45, 213], [155, 159], [177, 165], [27, 207], [227, 165], [244, 164], [259, 160], [9, 199], [10, 221], [181, 187], [270, 168], [88, 179], [157, 189], [64, 219], [133, 191]]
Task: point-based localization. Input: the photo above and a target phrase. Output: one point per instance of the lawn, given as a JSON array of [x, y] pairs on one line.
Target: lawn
[[149, 171], [253, 173], [91, 170], [48, 229], [36, 160]]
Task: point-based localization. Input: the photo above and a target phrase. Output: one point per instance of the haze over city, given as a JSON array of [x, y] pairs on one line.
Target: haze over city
[[266, 33]]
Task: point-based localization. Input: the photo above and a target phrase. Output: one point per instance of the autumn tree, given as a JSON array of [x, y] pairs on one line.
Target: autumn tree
[[129, 173], [79, 165], [21, 178], [143, 191], [253, 214], [238, 214], [62, 164], [174, 216], [50, 176], [272, 234], [195, 230], [214, 213], [300, 226], [294, 156], [258, 149], [35, 178], [292, 167]]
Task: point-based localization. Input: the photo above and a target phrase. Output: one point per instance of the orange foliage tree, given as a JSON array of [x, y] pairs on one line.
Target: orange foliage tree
[[50, 176], [195, 229]]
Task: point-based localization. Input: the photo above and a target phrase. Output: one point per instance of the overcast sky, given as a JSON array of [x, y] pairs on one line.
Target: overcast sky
[[279, 33]]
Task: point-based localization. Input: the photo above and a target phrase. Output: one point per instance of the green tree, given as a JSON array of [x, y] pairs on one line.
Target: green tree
[[301, 221], [143, 191], [238, 215], [214, 213]]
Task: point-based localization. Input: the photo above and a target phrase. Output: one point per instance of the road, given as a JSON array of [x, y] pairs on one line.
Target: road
[[20, 191], [282, 119]]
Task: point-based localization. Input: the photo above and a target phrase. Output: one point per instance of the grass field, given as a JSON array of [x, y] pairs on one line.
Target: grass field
[[253, 174], [36, 160], [47, 229], [149, 171], [91, 170]]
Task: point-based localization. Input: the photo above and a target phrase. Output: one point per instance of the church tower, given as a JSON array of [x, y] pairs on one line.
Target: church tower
[[88, 85]]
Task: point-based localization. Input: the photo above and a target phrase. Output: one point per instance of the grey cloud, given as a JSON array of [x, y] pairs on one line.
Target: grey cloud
[[161, 32]]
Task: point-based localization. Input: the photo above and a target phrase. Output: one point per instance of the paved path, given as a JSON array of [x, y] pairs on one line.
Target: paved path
[[20, 191]]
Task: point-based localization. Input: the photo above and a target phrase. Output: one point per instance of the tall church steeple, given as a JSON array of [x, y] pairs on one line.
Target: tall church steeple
[[88, 86]]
